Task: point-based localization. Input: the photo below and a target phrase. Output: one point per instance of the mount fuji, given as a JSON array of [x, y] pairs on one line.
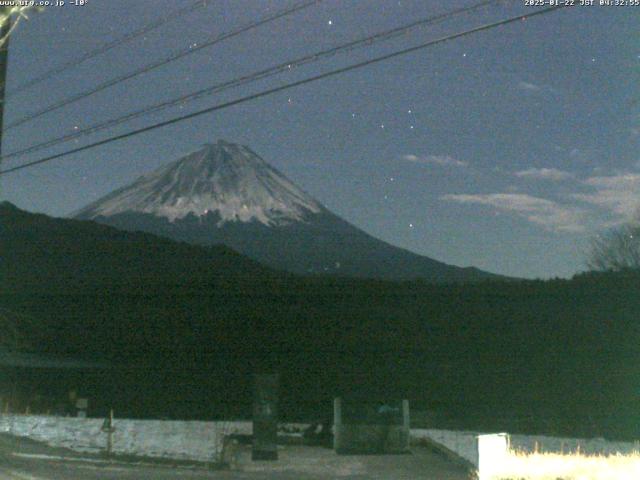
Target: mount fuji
[[225, 193]]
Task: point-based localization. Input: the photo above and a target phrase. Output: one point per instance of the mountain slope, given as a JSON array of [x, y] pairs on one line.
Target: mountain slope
[[225, 193], [227, 179]]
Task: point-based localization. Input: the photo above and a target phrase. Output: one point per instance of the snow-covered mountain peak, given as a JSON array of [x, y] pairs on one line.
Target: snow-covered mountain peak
[[224, 178]]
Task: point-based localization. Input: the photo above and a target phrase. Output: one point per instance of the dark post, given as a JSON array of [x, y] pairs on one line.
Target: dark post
[[265, 417], [337, 424], [108, 428]]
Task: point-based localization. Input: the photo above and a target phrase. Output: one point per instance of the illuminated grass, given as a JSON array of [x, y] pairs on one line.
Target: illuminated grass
[[571, 466]]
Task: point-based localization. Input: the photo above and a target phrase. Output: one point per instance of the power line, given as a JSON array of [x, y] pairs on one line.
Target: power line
[[152, 66], [109, 46], [287, 86], [260, 75]]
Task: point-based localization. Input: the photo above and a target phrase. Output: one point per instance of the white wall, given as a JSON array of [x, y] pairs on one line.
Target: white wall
[[200, 441]]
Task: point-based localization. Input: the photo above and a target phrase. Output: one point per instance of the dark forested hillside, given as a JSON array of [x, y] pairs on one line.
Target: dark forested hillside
[[185, 326], [40, 253]]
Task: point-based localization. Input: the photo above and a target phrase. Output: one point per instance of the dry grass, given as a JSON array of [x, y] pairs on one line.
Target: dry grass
[[572, 466]]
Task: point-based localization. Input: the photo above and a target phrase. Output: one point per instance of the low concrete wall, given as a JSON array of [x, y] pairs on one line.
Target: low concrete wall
[[199, 441], [202, 441], [462, 445]]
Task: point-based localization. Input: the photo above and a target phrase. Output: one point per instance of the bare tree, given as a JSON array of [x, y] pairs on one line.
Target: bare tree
[[618, 249]]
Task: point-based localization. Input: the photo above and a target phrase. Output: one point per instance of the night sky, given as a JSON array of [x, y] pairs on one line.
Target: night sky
[[506, 149]]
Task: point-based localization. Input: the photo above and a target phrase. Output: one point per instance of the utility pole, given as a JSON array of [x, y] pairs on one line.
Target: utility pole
[[4, 61], [4, 57]]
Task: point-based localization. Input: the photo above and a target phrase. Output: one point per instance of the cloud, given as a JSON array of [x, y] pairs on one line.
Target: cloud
[[531, 87], [535, 88], [552, 174], [539, 211], [441, 160], [620, 194]]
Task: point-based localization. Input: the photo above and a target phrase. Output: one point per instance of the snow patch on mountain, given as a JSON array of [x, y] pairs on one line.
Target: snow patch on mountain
[[224, 178]]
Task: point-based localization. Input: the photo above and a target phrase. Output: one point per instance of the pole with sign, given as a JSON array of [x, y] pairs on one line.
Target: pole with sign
[[265, 417]]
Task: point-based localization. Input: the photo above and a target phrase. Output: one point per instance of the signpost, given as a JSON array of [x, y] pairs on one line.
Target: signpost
[[265, 417]]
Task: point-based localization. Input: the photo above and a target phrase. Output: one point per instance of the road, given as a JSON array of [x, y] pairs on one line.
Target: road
[[27, 460]]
